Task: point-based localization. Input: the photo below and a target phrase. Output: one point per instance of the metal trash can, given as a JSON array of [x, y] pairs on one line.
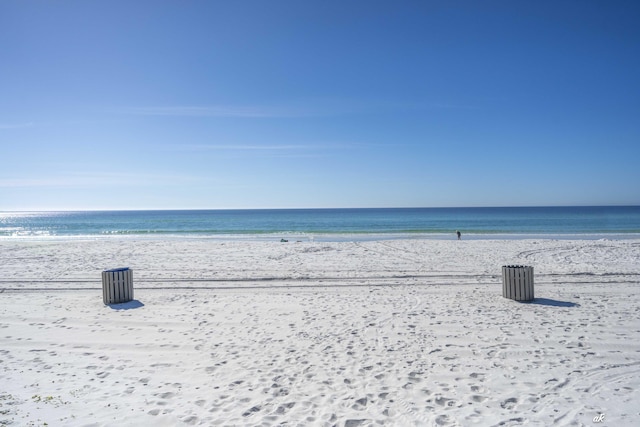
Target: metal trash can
[[517, 282], [117, 285]]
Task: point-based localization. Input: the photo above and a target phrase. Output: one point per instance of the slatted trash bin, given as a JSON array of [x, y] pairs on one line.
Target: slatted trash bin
[[517, 282], [117, 285]]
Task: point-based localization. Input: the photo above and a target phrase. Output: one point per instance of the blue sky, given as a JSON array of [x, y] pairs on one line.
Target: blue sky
[[285, 104]]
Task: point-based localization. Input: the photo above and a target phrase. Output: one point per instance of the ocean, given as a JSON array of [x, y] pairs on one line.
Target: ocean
[[332, 224]]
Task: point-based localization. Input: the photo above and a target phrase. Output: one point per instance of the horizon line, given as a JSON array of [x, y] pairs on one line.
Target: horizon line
[[318, 208]]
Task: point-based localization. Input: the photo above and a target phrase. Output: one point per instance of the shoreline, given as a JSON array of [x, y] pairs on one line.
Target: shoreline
[[328, 237]]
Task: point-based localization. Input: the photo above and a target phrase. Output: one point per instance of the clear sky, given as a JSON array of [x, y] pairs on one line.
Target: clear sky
[[282, 104]]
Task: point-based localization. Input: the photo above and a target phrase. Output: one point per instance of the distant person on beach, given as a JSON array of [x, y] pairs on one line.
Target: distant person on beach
[[459, 234]]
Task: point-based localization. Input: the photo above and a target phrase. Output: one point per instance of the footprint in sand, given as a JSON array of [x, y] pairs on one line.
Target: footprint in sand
[[167, 395], [444, 401], [509, 403], [443, 420], [360, 404], [191, 420], [479, 377], [285, 407], [252, 411]]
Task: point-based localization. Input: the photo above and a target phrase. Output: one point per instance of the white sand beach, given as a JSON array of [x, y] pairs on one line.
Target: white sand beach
[[376, 333]]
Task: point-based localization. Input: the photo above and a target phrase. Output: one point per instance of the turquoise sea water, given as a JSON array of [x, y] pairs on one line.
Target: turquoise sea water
[[332, 224]]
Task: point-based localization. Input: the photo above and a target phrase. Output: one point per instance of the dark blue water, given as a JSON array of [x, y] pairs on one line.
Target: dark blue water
[[519, 221]]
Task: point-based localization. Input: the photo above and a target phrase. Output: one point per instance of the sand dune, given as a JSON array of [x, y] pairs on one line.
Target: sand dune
[[402, 332]]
